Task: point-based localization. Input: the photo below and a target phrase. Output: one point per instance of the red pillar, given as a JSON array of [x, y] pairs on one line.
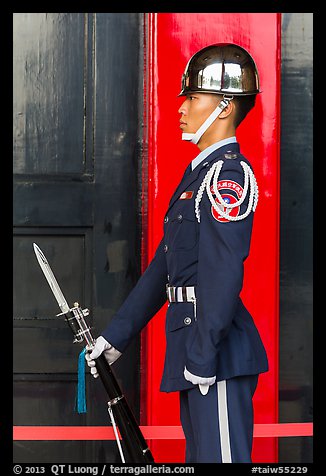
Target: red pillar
[[170, 40]]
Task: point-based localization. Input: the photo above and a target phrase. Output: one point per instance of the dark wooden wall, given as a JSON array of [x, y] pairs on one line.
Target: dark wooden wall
[[296, 234], [76, 110]]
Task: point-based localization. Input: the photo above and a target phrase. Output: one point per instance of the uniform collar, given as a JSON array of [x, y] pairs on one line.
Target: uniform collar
[[187, 180], [206, 152]]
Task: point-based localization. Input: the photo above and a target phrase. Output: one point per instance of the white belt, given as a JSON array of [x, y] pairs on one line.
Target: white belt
[[181, 293]]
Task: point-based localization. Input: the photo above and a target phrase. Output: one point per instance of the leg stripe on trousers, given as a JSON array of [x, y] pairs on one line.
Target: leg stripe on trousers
[[223, 422]]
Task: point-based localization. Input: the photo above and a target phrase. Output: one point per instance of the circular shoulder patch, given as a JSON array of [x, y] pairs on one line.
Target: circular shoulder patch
[[227, 186]]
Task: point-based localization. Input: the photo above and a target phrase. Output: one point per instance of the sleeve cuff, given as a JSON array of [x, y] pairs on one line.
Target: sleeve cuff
[[206, 370]]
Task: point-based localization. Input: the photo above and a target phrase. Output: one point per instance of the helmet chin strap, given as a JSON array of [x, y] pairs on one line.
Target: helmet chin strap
[[194, 137]]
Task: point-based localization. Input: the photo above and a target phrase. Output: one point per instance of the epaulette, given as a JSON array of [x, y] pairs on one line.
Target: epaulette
[[210, 182]]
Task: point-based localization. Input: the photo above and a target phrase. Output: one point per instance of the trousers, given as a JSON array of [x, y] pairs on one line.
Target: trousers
[[218, 426]]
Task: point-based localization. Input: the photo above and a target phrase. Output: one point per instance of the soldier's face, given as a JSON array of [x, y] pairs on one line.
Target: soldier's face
[[195, 110]]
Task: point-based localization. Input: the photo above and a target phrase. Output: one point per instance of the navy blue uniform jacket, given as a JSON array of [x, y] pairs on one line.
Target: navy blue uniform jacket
[[222, 338]]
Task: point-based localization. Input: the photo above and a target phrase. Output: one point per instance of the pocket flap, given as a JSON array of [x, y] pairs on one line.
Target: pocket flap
[[183, 215], [178, 320]]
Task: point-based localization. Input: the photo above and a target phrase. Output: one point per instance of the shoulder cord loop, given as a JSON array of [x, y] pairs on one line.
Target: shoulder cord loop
[[215, 170]]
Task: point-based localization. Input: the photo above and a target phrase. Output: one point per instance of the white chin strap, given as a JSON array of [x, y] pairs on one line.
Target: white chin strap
[[194, 137]]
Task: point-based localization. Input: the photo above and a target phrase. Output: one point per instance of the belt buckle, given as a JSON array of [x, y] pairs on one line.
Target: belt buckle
[[167, 287]]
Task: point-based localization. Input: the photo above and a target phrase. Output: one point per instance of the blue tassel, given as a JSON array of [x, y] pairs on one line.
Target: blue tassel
[[81, 387]]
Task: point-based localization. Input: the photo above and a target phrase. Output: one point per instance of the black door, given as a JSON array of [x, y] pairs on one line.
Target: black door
[[76, 109]]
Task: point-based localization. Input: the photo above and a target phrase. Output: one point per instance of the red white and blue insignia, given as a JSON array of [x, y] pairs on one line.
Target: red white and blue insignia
[[225, 204], [228, 198]]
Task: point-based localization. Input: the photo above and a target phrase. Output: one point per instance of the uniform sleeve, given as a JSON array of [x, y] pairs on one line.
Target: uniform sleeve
[[142, 303], [223, 247]]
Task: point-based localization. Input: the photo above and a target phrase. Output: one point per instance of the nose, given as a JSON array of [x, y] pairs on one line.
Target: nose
[[182, 109]]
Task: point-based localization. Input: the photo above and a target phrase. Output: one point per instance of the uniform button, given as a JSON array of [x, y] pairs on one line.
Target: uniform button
[[180, 217], [187, 321], [166, 248], [166, 219]]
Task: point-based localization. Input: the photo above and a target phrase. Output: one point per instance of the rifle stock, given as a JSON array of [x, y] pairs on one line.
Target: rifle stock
[[130, 432]]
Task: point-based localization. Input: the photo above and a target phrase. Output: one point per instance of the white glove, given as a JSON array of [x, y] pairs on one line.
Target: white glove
[[101, 346], [203, 382]]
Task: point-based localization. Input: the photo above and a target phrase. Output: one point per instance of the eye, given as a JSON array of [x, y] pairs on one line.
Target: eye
[[192, 97]]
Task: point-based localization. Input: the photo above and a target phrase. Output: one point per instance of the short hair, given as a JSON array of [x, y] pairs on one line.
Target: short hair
[[243, 105]]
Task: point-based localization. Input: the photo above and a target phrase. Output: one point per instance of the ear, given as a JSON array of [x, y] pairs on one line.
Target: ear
[[227, 111]]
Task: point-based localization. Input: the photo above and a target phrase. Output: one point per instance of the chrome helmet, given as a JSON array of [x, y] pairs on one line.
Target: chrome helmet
[[223, 68]]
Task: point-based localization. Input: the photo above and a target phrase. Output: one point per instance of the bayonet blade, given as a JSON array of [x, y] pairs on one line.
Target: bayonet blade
[[45, 267]]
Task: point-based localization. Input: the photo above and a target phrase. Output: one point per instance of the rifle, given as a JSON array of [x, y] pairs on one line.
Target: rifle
[[120, 413]]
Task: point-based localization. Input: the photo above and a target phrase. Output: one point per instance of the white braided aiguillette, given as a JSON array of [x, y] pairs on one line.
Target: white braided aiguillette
[[211, 179]]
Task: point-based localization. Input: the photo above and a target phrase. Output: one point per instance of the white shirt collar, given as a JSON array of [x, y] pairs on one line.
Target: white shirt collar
[[204, 153]]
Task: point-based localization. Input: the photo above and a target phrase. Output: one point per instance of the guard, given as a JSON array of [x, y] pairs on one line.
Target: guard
[[214, 353]]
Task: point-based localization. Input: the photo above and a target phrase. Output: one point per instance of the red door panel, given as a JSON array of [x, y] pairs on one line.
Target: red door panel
[[171, 39]]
